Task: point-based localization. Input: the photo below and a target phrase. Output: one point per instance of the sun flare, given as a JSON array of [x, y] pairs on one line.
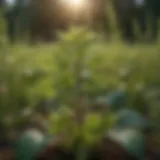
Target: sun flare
[[77, 2], [74, 3]]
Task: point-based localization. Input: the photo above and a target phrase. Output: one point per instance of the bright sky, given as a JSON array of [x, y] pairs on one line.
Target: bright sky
[[10, 1]]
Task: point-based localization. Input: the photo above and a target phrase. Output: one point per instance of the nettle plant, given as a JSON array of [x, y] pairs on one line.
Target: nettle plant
[[75, 83]]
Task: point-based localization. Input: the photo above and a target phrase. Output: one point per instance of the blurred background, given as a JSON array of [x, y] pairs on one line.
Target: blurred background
[[79, 79]]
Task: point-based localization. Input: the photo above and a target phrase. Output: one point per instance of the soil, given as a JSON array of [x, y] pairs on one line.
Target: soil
[[6, 154]]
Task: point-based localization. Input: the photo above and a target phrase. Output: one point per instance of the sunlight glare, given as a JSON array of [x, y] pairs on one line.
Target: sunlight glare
[[74, 3]]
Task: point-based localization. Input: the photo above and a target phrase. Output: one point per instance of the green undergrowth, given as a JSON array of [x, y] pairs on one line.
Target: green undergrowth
[[31, 72]]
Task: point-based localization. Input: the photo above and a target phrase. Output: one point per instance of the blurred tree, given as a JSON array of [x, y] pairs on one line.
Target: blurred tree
[[11, 12], [1, 3], [153, 7]]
